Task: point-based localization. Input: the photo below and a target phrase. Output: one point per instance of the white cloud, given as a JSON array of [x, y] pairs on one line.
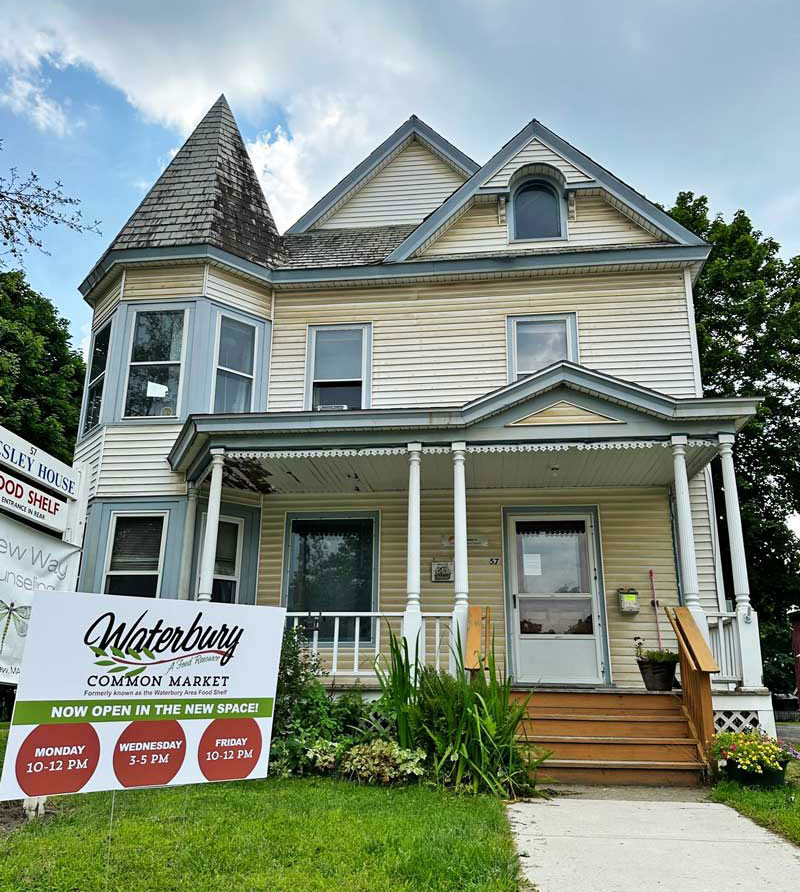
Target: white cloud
[[26, 96], [794, 523]]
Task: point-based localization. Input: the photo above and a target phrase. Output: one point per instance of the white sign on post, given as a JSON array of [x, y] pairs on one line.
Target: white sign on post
[[122, 692], [25, 500], [38, 465]]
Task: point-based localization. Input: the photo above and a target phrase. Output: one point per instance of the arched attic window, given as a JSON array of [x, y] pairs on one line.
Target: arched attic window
[[537, 211]]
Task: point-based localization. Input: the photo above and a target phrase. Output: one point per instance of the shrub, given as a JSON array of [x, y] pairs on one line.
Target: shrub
[[382, 761], [466, 723]]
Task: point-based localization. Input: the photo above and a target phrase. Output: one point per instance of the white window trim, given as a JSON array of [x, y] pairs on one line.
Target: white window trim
[[216, 368], [571, 320], [239, 522], [112, 528], [92, 381], [366, 360], [180, 363]]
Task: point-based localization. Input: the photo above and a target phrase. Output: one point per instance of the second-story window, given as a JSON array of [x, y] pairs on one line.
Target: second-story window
[[233, 390], [154, 375], [537, 212], [338, 366], [536, 342], [97, 377]]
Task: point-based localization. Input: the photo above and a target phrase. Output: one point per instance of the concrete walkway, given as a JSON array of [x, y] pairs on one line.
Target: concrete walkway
[[641, 841]]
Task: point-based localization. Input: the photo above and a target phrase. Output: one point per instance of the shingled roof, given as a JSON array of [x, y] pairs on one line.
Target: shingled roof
[[208, 195], [342, 247]]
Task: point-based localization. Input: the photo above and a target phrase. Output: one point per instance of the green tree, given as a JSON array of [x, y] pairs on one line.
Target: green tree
[[747, 307], [41, 375]]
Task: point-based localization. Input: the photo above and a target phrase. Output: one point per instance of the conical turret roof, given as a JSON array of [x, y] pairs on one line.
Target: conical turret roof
[[208, 195]]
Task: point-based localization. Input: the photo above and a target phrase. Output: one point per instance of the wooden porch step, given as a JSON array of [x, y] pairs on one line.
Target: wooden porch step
[[632, 749], [536, 708], [571, 725], [624, 772], [633, 701]]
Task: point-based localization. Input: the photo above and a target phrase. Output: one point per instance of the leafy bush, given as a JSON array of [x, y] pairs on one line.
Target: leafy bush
[[654, 656], [466, 723], [752, 750], [382, 761]]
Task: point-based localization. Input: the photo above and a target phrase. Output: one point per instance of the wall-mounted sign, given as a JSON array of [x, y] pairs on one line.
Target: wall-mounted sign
[[128, 692], [472, 541], [27, 501], [32, 462], [442, 571]]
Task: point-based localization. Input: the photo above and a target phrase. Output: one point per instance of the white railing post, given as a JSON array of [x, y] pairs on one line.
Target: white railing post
[[746, 619], [412, 618], [184, 582], [688, 560], [460, 556], [209, 553]]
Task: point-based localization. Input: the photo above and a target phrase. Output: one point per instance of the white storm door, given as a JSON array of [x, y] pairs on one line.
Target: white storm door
[[557, 619]]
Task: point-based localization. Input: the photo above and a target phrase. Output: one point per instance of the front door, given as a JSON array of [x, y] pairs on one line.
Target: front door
[[558, 620]]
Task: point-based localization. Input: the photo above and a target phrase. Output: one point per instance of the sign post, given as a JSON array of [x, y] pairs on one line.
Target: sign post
[[119, 693]]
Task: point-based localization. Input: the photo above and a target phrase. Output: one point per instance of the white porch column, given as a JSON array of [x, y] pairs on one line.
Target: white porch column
[[461, 605], [747, 621], [688, 560], [412, 618], [184, 582], [209, 552]]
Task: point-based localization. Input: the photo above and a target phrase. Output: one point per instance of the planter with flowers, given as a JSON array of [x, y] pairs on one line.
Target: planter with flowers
[[657, 667], [752, 757]]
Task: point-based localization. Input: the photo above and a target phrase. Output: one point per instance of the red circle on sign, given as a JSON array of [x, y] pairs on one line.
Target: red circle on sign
[[57, 759], [229, 749], [149, 754]]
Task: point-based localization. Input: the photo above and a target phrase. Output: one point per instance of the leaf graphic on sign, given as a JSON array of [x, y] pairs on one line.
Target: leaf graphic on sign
[[117, 652], [148, 653], [104, 662], [135, 672]]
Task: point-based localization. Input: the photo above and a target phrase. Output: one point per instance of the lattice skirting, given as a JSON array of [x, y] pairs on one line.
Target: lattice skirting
[[735, 719]]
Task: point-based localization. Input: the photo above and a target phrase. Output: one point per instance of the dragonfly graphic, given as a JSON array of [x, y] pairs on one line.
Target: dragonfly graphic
[[20, 614]]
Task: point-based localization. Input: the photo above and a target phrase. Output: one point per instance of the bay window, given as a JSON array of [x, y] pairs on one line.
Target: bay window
[[96, 377], [136, 554], [154, 372], [236, 353]]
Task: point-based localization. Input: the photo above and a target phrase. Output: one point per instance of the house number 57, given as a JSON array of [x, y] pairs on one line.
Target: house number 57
[[494, 561]]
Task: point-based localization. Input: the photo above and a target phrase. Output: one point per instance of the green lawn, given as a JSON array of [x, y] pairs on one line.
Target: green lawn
[[275, 835], [778, 810]]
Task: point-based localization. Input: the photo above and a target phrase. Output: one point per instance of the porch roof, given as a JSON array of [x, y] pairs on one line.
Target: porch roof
[[590, 420]]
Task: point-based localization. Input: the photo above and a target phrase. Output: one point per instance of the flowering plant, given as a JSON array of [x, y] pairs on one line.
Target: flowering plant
[[752, 750]]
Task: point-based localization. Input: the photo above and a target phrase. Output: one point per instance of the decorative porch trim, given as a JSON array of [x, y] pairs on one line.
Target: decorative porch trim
[[320, 453]]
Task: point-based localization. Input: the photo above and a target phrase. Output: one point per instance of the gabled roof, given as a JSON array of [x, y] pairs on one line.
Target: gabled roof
[[619, 193], [413, 128], [208, 195]]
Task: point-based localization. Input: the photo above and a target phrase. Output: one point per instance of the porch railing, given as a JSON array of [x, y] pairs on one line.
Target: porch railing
[[724, 637], [350, 643], [697, 666]]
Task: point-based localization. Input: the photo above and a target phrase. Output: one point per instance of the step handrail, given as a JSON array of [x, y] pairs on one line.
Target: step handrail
[[697, 666]]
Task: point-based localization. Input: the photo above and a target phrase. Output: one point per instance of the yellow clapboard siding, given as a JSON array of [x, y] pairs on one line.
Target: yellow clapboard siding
[[635, 535], [164, 282], [106, 302], [596, 224], [238, 292], [535, 152], [90, 452], [406, 190], [563, 413], [446, 344]]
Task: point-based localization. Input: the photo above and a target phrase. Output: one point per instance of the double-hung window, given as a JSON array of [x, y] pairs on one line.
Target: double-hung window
[[331, 569], [136, 554], [154, 374], [97, 378], [338, 367], [226, 585], [236, 354], [535, 342]]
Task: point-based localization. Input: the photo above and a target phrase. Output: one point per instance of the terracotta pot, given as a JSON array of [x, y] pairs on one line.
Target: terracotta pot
[[768, 778], [657, 675]]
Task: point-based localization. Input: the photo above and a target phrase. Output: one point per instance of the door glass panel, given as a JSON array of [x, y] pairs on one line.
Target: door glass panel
[[227, 547], [552, 557], [555, 616]]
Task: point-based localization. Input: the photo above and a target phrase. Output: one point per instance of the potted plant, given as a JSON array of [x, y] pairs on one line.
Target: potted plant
[[657, 667], [752, 757]]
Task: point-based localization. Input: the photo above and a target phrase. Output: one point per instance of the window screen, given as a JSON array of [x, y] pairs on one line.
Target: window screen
[[537, 212], [135, 560]]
